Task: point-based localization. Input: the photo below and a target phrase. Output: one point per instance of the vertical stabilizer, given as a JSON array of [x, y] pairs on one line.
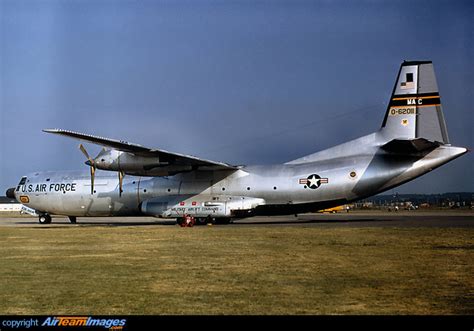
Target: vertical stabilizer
[[414, 110]]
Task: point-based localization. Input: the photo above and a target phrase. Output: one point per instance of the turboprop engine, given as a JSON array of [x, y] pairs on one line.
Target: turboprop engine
[[127, 163]]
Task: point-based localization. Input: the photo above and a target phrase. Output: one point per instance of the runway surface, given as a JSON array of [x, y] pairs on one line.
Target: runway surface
[[438, 219]]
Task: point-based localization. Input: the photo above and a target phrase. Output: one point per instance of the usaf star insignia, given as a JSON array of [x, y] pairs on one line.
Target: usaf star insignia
[[313, 181]]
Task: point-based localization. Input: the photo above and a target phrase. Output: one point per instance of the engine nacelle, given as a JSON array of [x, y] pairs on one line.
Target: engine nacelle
[[131, 164], [200, 206]]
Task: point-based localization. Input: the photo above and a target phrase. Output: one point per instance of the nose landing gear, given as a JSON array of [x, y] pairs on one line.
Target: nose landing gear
[[44, 219]]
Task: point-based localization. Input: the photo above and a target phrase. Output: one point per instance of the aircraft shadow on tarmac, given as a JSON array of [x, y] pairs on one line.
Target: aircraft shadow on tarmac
[[112, 223], [313, 221], [66, 224], [343, 220]]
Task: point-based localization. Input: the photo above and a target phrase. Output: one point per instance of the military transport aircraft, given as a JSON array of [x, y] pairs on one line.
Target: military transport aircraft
[[412, 141]]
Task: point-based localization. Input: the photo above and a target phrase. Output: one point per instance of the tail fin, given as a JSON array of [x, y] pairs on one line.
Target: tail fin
[[414, 110]]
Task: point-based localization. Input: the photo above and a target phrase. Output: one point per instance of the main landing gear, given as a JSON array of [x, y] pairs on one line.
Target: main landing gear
[[189, 221], [72, 219]]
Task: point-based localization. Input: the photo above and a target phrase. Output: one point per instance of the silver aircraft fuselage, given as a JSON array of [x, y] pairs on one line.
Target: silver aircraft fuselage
[[347, 172]]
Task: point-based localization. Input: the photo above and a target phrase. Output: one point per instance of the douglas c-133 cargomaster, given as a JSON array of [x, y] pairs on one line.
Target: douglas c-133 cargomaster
[[412, 141]]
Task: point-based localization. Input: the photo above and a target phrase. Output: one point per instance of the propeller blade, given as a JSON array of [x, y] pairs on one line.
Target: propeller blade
[[90, 162], [92, 179], [84, 151], [121, 175]]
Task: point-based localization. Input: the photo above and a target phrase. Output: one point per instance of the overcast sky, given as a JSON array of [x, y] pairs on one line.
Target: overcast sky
[[243, 82]]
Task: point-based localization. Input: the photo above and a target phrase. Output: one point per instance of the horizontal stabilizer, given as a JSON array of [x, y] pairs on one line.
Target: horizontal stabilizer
[[407, 146]]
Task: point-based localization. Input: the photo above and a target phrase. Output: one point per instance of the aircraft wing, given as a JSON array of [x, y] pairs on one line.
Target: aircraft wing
[[124, 146]]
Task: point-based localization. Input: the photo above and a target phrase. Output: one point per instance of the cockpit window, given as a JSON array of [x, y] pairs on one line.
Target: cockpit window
[[22, 181]]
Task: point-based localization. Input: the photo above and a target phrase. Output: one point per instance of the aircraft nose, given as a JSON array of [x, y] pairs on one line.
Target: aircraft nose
[[11, 193]]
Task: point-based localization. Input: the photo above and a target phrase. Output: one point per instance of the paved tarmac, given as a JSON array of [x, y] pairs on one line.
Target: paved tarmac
[[357, 219]]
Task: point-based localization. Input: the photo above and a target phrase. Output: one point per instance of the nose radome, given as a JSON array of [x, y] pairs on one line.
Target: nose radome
[[11, 193]]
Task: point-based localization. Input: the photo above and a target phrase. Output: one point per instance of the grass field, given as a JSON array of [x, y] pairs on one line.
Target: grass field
[[236, 270]]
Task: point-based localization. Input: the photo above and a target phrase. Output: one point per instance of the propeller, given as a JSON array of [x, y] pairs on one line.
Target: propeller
[[121, 174], [90, 162]]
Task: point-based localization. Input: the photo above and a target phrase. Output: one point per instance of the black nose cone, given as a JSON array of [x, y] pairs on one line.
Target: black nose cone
[[11, 193]]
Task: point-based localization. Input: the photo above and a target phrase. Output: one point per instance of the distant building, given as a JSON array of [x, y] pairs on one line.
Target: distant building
[[444, 200], [9, 205]]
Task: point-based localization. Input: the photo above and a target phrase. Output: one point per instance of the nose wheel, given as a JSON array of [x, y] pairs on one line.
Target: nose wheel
[[44, 219]]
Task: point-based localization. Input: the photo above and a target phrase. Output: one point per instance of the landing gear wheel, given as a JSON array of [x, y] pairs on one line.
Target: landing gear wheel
[[186, 221], [189, 221], [202, 221], [209, 219], [72, 219], [44, 219]]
